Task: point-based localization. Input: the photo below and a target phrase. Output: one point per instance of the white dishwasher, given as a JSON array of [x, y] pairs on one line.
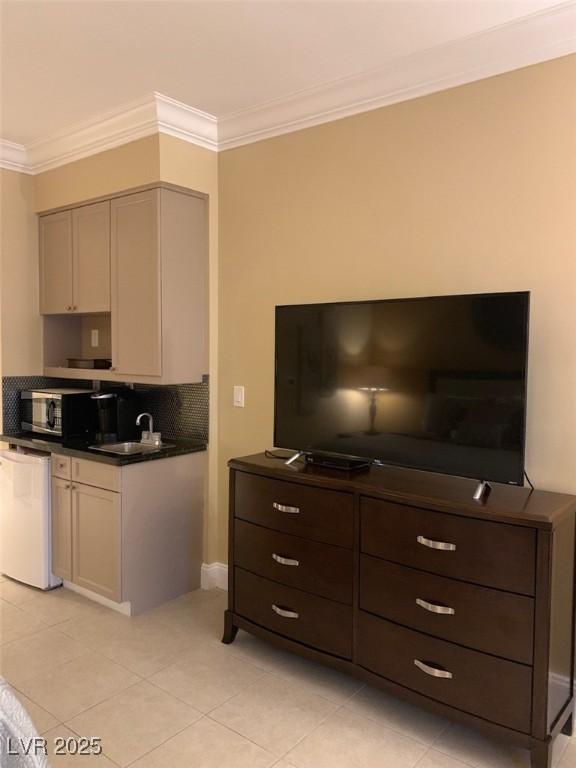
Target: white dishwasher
[[25, 530]]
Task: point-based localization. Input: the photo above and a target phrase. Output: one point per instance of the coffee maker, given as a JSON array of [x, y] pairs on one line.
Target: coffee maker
[[116, 412]]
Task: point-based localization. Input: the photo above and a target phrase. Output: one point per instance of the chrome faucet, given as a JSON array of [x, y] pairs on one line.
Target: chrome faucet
[[149, 437], [150, 421]]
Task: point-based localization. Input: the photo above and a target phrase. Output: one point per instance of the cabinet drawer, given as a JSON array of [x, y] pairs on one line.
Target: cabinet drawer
[[491, 688], [61, 466], [309, 619], [322, 569], [313, 513], [491, 554], [485, 619], [96, 473]]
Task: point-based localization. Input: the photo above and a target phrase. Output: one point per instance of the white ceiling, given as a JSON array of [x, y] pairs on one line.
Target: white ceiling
[[64, 62]]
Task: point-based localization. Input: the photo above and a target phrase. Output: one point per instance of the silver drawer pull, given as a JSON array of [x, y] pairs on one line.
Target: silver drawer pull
[[284, 613], [431, 544], [433, 671], [434, 607], [286, 508], [285, 560]]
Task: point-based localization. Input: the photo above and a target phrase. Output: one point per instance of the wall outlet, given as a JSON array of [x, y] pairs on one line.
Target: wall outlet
[[238, 397], [94, 337]]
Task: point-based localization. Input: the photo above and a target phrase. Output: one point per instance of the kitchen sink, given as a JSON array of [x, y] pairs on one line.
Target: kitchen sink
[[128, 448]]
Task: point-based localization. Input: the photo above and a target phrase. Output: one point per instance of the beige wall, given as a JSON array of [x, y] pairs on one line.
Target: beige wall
[[20, 347], [114, 170], [471, 189]]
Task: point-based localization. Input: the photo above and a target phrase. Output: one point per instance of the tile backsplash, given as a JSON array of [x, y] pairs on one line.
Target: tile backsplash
[[180, 411]]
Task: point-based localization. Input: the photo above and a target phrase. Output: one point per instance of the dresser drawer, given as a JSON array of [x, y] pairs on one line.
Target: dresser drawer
[[96, 473], [322, 569], [491, 688], [486, 619], [309, 619], [313, 513], [491, 554], [61, 466]]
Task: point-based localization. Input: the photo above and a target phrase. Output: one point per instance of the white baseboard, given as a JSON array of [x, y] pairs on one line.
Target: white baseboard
[[214, 575], [124, 608]]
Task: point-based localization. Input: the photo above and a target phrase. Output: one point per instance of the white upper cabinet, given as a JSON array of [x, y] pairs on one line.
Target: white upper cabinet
[[56, 263], [75, 260], [91, 258], [140, 261]]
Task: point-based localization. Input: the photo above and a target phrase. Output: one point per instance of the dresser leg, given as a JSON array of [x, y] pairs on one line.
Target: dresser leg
[[541, 754], [230, 630], [568, 729]]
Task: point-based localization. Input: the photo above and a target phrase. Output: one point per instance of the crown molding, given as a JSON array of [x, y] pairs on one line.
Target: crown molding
[[112, 129], [177, 119], [530, 40], [13, 157], [152, 114]]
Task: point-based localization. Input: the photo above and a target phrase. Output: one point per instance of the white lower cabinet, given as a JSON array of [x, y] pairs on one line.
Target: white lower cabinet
[[96, 539], [140, 544], [86, 536]]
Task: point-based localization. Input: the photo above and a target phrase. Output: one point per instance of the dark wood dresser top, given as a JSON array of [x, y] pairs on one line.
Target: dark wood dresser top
[[506, 503]]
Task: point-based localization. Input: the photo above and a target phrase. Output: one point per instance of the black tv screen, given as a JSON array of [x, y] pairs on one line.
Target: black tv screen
[[437, 383]]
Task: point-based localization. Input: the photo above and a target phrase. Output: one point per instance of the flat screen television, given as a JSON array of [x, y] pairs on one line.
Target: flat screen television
[[437, 384]]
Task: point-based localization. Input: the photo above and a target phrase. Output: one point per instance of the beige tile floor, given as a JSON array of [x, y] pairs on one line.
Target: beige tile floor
[[162, 692]]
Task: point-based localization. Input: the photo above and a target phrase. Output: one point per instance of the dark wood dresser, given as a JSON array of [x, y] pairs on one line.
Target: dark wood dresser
[[400, 578]]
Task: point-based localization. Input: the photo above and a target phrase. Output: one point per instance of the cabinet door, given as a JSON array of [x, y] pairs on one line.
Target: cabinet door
[[96, 540], [91, 258], [61, 528], [56, 263], [136, 318]]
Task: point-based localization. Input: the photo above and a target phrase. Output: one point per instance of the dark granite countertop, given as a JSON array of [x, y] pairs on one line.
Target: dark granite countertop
[[80, 450]]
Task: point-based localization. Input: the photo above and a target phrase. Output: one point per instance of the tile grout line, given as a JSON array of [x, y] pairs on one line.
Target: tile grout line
[[316, 727], [173, 736], [395, 730], [67, 724], [88, 650], [421, 759], [238, 733], [225, 701]]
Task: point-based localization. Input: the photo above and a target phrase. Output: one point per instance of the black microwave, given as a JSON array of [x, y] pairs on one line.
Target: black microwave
[[60, 413]]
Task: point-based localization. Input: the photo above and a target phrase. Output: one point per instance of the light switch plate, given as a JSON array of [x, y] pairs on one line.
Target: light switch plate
[[94, 337], [238, 396]]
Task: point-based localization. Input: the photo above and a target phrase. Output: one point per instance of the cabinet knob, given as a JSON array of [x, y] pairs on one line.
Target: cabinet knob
[[67, 485], [112, 368], [69, 308]]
